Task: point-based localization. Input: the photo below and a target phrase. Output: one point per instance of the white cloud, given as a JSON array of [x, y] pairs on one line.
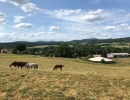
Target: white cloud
[[93, 16], [15, 2], [18, 19], [54, 28], [2, 21], [40, 28], [119, 21], [23, 25], [50, 32], [2, 18], [29, 7], [66, 12], [121, 27], [80, 15], [110, 28], [29, 14], [2, 35], [97, 12]]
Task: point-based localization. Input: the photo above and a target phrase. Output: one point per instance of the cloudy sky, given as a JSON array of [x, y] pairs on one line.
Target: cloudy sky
[[63, 20]]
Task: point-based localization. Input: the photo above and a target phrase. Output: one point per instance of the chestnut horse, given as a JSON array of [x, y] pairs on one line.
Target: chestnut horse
[[58, 66]]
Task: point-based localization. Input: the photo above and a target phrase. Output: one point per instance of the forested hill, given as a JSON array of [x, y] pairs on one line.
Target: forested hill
[[38, 43], [28, 44], [94, 40]]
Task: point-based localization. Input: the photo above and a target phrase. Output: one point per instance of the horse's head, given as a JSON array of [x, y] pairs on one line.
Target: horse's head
[[12, 63]]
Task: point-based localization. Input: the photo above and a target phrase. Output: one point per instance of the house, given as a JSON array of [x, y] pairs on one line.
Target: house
[[96, 55], [5, 50], [118, 55]]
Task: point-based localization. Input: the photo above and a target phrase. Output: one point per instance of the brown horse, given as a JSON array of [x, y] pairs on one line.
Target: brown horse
[[58, 66], [18, 64], [22, 64], [15, 64]]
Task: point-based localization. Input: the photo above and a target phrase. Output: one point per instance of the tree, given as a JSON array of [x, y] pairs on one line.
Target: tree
[[14, 51], [63, 50], [20, 47]]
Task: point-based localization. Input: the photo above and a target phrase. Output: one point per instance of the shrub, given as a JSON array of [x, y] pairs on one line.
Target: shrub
[[102, 61], [89, 56]]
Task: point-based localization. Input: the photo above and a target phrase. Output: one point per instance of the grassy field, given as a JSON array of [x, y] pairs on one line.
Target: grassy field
[[79, 80], [42, 46]]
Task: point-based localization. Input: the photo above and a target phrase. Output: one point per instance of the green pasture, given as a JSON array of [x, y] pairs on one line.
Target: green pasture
[[42, 46]]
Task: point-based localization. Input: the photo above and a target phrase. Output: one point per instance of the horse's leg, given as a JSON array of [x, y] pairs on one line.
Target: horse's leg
[[15, 66], [60, 68]]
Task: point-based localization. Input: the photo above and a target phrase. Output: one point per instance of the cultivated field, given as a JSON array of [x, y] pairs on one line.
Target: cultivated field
[[79, 80]]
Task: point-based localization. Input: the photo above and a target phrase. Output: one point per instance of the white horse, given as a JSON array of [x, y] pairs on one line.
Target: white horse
[[31, 65]]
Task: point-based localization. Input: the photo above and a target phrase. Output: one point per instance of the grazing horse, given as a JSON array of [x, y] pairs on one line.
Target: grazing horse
[[31, 65], [58, 66], [15, 63], [18, 64], [22, 64]]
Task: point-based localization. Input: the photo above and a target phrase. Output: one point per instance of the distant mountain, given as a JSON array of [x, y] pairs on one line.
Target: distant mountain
[[41, 41], [94, 40], [38, 43], [45, 41], [20, 41], [48, 41]]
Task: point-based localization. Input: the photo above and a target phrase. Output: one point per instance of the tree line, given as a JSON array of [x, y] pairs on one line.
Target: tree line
[[89, 41], [69, 51]]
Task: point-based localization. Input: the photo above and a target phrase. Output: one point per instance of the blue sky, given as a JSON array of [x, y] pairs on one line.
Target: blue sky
[[63, 20]]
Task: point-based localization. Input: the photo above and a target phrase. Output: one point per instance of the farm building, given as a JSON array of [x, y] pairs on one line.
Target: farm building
[[5, 51], [99, 59], [96, 55], [118, 55]]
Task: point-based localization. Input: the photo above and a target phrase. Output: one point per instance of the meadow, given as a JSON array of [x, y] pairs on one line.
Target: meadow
[[79, 80]]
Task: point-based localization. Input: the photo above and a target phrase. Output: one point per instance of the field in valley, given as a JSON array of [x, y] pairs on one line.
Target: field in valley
[[79, 80]]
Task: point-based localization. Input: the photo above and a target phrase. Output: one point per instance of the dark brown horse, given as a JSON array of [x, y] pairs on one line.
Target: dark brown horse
[[15, 64], [58, 66], [22, 64], [18, 64]]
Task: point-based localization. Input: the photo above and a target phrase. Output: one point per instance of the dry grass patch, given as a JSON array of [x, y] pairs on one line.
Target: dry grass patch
[[79, 80]]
